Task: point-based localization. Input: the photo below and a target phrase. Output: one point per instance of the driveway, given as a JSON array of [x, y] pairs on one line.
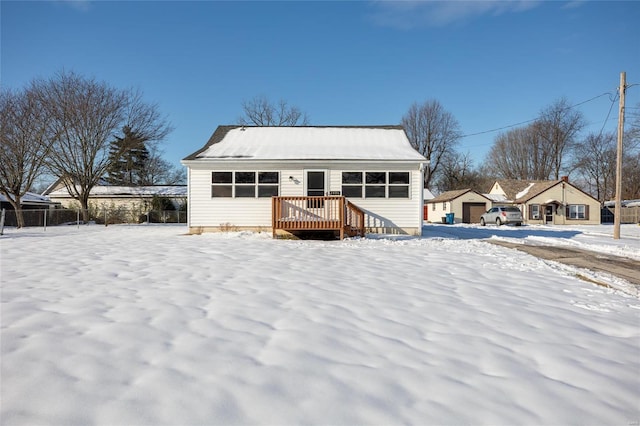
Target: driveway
[[540, 241], [622, 267]]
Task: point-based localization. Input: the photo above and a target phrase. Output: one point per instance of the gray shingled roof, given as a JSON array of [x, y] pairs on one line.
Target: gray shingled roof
[[536, 189], [512, 187]]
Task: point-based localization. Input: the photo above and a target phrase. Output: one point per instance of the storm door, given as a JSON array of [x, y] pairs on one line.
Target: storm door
[[548, 213], [315, 187]]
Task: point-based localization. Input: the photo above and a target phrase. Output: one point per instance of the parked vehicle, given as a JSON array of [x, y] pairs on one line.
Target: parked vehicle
[[502, 215]]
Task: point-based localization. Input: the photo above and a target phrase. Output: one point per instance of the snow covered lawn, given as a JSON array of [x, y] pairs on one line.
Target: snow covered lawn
[[145, 325]]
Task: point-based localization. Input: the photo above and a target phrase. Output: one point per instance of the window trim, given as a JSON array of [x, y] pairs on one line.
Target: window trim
[[534, 215], [577, 208], [257, 185], [364, 185]]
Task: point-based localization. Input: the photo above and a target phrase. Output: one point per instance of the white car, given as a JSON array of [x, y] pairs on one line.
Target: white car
[[502, 214]]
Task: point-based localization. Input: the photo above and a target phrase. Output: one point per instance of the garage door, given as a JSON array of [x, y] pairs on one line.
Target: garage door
[[471, 212]]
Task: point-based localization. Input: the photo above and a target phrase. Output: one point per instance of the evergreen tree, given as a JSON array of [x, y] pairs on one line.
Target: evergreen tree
[[128, 157]]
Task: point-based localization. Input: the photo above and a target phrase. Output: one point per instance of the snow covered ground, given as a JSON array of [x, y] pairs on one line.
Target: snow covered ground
[[145, 325]]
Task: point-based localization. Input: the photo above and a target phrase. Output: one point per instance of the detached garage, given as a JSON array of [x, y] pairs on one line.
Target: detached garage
[[466, 205]]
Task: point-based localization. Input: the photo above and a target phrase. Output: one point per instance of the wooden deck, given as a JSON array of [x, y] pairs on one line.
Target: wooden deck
[[330, 213]]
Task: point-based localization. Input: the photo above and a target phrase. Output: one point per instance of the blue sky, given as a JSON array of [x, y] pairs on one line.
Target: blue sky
[[491, 64]]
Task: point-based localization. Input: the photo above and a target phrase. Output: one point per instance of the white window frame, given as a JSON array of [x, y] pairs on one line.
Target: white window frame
[[577, 212], [256, 183], [363, 185], [535, 211]]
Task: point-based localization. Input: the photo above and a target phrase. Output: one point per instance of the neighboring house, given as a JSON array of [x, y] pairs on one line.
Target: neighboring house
[[306, 178], [33, 208], [29, 201], [466, 205], [555, 202], [426, 196], [128, 197]]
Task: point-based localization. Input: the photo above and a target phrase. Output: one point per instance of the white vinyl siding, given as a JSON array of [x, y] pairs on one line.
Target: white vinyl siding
[[205, 210], [382, 214]]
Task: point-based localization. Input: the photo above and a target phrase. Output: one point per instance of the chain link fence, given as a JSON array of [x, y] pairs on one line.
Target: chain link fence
[[106, 216]]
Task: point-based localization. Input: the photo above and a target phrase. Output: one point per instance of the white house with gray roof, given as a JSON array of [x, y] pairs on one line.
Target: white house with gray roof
[[306, 178]]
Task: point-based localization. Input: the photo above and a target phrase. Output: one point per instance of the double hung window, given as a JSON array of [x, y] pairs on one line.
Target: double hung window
[[577, 211]]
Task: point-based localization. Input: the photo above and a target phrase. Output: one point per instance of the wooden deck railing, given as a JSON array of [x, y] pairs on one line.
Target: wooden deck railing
[[331, 213]]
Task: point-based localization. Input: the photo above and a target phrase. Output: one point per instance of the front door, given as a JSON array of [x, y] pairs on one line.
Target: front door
[[548, 214], [315, 187]]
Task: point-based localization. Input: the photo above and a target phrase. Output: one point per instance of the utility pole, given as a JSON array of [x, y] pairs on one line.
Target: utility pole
[[618, 207]]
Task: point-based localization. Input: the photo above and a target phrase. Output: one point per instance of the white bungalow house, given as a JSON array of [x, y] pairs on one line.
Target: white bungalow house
[[348, 179], [554, 202], [466, 205]]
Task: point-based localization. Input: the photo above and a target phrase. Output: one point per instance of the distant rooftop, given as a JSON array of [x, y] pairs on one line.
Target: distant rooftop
[[129, 191]]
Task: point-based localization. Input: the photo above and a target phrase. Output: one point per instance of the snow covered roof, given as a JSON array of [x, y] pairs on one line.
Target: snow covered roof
[[525, 191], [497, 198], [624, 203], [29, 198], [520, 191], [427, 194], [308, 143], [451, 195], [129, 191]]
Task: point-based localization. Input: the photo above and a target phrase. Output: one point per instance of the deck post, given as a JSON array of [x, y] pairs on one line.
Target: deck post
[[273, 217], [341, 217]]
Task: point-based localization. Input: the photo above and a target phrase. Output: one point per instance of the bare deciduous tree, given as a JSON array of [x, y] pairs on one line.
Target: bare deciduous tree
[[519, 154], [632, 132], [631, 161], [433, 132], [509, 157], [158, 171], [25, 141], [595, 161], [259, 111], [86, 116], [458, 172], [557, 128], [540, 150], [631, 176]]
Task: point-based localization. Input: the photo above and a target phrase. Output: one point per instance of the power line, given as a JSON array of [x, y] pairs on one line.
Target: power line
[[534, 119], [499, 128], [613, 101]]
